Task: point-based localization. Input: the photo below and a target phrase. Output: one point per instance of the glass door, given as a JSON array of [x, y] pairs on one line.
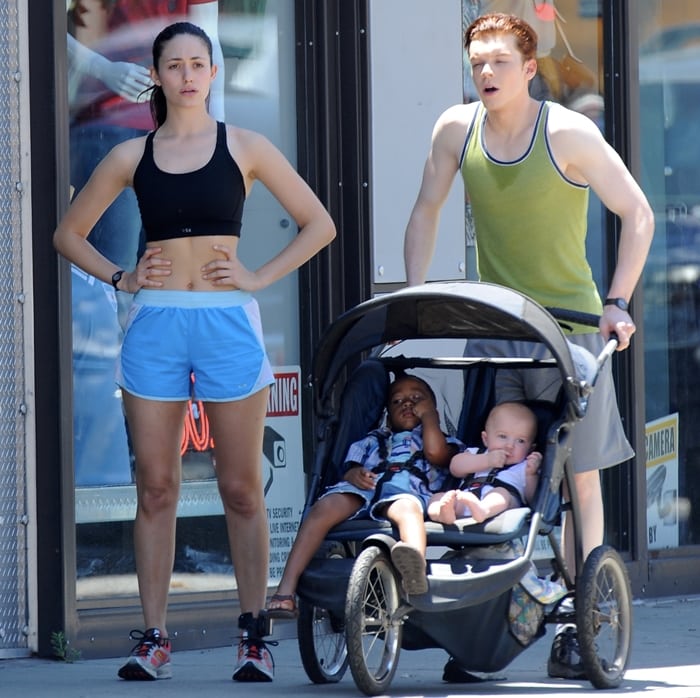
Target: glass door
[[669, 74]]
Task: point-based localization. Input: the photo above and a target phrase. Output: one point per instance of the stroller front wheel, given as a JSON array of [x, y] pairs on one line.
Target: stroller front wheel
[[372, 631], [604, 617], [321, 644]]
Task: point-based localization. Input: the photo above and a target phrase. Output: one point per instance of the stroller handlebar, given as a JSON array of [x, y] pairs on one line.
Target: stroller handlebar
[[563, 315]]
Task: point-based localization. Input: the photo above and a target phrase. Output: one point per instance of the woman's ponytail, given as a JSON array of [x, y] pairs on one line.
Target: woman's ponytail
[[159, 105]]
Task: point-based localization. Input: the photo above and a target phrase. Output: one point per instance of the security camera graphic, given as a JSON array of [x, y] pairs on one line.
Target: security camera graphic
[[655, 486], [275, 448]]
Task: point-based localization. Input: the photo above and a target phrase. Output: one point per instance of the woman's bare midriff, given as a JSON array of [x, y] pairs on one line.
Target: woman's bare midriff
[[187, 257]]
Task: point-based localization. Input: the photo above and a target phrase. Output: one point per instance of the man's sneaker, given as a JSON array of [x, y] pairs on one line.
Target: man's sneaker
[[149, 659], [455, 673], [255, 661], [565, 659]]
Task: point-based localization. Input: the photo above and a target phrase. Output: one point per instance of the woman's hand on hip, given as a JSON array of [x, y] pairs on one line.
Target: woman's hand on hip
[[149, 270], [227, 270]]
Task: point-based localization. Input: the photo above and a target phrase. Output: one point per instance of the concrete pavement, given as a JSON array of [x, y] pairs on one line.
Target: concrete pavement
[[665, 662]]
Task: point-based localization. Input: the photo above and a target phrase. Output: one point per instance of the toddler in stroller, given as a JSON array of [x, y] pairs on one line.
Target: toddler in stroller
[[390, 475]]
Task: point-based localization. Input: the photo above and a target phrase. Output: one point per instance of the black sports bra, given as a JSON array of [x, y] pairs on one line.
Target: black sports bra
[[207, 201]]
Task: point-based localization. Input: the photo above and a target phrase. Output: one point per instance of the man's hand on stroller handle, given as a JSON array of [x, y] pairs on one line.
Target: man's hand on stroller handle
[[617, 324]]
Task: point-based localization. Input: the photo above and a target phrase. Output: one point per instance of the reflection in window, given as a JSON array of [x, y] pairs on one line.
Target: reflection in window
[[669, 66]]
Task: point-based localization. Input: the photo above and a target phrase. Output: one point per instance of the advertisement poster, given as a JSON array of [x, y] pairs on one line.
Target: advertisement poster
[[661, 438], [283, 468]]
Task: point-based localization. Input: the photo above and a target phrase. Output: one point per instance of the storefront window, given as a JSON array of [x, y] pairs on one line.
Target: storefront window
[[669, 70], [109, 51]]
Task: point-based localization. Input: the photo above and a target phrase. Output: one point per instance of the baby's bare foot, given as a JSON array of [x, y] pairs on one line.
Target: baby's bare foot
[[444, 508], [468, 504]]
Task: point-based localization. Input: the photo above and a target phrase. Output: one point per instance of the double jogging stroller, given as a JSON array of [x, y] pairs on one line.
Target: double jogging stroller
[[486, 601]]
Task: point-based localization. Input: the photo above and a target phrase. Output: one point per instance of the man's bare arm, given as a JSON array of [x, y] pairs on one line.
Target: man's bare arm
[[438, 174], [586, 156]]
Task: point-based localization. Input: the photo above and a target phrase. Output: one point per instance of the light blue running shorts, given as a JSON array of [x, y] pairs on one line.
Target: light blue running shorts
[[214, 336]]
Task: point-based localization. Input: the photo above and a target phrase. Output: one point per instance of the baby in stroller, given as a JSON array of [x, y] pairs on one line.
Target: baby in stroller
[[391, 474], [501, 476]]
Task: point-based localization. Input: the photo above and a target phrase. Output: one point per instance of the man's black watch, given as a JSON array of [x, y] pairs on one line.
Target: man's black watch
[[621, 303], [117, 277]]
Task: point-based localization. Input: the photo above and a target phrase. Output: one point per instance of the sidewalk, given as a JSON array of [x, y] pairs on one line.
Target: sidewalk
[[665, 662]]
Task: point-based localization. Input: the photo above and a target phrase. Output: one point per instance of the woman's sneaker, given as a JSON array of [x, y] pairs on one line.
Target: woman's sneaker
[[149, 659], [565, 658], [255, 662]]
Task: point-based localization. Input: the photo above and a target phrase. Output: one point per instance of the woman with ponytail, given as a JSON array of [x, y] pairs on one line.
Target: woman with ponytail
[[193, 312]]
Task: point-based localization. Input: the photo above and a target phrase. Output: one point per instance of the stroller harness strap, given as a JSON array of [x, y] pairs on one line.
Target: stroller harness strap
[[388, 468]]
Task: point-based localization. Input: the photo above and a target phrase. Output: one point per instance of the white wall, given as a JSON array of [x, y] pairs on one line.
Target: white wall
[[415, 74]]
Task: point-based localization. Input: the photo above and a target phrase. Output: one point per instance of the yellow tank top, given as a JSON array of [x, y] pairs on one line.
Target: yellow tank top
[[530, 222]]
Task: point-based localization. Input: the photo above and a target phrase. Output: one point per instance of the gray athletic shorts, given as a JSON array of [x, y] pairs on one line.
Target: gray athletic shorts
[[598, 440]]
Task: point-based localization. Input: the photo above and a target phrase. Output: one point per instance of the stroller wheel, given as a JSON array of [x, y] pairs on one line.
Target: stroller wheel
[[372, 631], [321, 644], [604, 617]]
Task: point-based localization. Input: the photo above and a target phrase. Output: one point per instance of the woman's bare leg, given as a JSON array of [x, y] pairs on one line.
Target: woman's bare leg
[[156, 433], [237, 428]]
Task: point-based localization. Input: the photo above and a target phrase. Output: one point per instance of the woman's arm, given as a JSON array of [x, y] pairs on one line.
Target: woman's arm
[[112, 175], [262, 161], [107, 181]]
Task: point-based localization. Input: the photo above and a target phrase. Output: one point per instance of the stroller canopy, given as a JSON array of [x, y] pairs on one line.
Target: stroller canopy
[[456, 310]]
